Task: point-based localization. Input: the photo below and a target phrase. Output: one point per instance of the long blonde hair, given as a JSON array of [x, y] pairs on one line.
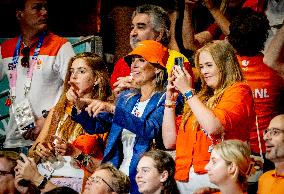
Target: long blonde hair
[[238, 153], [225, 58]]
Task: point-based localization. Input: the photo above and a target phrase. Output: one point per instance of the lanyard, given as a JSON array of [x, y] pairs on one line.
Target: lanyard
[[12, 67]]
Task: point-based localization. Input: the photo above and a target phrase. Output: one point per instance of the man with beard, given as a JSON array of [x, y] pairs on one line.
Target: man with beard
[[36, 63], [273, 181]]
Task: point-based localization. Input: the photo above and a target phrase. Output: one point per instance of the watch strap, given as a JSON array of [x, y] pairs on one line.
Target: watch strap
[[189, 94]]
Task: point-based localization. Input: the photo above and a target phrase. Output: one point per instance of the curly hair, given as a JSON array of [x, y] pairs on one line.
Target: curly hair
[[248, 32]]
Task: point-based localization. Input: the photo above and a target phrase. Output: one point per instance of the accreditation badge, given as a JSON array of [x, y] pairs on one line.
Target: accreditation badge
[[23, 115]]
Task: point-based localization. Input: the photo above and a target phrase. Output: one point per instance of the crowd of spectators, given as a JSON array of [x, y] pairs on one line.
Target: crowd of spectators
[[157, 124]]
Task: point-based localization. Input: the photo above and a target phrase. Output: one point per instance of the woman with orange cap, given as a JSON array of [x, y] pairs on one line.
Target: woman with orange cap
[[137, 115]]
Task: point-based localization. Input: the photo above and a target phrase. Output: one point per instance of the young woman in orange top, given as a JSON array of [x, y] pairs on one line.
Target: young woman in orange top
[[223, 109]]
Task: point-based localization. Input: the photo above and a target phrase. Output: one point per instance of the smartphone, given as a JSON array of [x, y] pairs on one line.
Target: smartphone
[[179, 61]]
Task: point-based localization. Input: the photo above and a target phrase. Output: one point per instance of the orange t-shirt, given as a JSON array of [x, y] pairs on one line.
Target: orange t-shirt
[[269, 182], [266, 86], [236, 113]]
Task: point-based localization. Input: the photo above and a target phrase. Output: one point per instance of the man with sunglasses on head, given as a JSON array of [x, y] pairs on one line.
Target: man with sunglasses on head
[[36, 63], [273, 181]]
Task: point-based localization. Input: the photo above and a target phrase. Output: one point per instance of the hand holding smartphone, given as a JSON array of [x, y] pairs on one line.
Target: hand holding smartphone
[[179, 62]]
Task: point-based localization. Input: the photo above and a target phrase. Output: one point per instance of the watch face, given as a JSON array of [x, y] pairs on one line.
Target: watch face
[[188, 94], [80, 157]]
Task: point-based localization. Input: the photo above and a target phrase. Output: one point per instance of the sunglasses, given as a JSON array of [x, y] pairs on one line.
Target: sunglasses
[[25, 61], [3, 173]]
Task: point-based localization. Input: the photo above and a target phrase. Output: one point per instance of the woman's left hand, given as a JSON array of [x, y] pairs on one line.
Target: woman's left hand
[[171, 93], [183, 81]]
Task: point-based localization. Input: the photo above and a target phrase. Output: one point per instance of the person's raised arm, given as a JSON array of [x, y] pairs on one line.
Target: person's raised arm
[[187, 27], [205, 116], [173, 43], [218, 16], [169, 130], [274, 55]]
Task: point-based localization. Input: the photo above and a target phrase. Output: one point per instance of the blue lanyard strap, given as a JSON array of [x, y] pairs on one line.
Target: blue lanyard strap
[[13, 66], [36, 52]]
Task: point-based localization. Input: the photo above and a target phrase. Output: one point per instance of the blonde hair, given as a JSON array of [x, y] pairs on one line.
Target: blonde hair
[[238, 153], [227, 63]]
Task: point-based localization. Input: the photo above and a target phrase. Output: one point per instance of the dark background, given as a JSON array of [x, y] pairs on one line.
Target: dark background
[[107, 18]]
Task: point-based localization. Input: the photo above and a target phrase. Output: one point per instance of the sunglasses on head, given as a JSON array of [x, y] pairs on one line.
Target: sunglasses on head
[[25, 61]]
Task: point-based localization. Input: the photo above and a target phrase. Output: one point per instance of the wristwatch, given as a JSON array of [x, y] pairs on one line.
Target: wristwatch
[[189, 94], [42, 183]]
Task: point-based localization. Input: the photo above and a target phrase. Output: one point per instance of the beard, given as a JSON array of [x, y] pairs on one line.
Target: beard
[[134, 41]]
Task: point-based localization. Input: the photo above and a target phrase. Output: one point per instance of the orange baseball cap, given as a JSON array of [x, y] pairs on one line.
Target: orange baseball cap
[[152, 51]]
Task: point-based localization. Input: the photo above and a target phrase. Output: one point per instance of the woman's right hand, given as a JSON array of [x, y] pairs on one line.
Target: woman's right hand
[[171, 93], [123, 83], [44, 150], [73, 95]]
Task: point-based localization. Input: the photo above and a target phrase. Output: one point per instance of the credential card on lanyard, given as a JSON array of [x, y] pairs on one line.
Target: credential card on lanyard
[[23, 114]]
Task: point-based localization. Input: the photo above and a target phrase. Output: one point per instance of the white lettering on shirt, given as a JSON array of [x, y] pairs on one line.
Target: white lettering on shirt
[[260, 93]]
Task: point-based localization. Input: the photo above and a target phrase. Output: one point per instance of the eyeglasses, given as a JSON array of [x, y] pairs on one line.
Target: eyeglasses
[[25, 61], [97, 179], [272, 131], [3, 173]]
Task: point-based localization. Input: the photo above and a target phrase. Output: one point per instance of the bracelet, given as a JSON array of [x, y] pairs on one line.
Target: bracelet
[[170, 104], [189, 94]]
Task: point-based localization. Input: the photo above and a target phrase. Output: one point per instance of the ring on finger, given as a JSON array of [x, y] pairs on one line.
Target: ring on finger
[[39, 149]]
